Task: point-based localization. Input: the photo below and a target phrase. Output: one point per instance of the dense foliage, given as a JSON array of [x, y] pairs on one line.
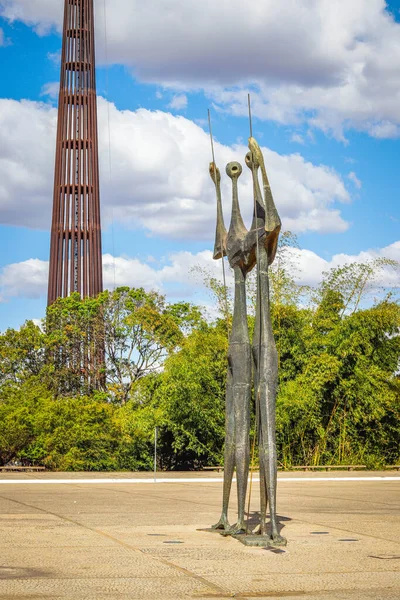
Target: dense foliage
[[86, 391]]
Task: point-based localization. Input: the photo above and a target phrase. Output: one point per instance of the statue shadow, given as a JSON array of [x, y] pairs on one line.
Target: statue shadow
[[253, 519]]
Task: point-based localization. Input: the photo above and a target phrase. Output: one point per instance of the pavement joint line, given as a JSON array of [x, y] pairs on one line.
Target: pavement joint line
[[209, 584], [182, 480]]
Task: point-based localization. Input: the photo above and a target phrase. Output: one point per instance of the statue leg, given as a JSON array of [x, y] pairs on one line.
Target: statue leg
[[269, 455], [242, 394], [263, 496], [268, 365], [256, 361], [240, 361], [229, 454]]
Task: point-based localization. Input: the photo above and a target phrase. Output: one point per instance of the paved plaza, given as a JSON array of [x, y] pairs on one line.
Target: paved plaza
[[93, 537]]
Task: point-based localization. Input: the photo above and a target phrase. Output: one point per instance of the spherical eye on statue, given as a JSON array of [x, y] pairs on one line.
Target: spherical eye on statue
[[233, 169]]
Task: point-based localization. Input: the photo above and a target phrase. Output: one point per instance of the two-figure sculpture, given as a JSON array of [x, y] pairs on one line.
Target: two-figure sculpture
[[246, 250]]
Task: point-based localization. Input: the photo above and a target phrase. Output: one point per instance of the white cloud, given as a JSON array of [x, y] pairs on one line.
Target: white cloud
[[353, 177], [297, 139], [159, 174], [29, 278], [4, 41], [178, 102], [41, 14], [384, 129], [55, 58], [331, 64], [50, 89], [25, 279], [174, 276], [27, 141], [311, 265]]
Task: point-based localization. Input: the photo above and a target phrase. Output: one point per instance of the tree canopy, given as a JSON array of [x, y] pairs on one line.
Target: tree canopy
[[86, 390]]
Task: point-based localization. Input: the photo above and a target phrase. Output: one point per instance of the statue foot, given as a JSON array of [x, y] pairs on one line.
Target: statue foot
[[277, 540], [238, 528], [222, 525], [261, 529]]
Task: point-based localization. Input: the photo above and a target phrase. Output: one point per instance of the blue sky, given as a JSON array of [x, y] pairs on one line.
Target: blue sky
[[325, 84]]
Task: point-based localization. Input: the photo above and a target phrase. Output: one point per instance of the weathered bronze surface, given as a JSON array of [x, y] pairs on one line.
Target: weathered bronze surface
[[246, 250]]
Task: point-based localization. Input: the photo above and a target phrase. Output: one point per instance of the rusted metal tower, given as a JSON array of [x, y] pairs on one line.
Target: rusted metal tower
[[75, 248]]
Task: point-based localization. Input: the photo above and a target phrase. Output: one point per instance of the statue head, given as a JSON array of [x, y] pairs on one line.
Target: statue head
[[234, 170], [214, 173], [249, 161], [255, 153]]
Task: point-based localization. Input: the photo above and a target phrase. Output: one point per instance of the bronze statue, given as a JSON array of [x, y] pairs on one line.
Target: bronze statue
[[245, 250], [238, 387]]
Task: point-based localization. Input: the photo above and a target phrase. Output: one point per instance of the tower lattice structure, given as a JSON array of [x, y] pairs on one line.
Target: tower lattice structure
[[75, 248]]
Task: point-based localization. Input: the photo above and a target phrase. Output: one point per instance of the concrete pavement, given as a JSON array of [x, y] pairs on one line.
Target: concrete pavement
[[140, 540]]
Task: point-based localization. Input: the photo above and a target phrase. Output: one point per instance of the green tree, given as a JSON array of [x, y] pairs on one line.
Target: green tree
[[190, 398], [358, 282], [344, 405], [117, 339], [74, 345], [161, 364], [72, 434], [22, 353], [140, 330]]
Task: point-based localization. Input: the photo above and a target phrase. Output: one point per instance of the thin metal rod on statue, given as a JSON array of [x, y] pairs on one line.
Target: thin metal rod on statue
[[257, 382], [250, 117], [155, 453], [221, 234], [75, 247]]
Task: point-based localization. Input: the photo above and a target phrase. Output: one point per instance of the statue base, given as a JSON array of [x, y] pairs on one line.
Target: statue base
[[258, 541], [250, 539]]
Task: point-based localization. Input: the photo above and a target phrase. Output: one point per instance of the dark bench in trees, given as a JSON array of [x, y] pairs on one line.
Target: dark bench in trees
[[310, 468], [22, 468], [327, 467]]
